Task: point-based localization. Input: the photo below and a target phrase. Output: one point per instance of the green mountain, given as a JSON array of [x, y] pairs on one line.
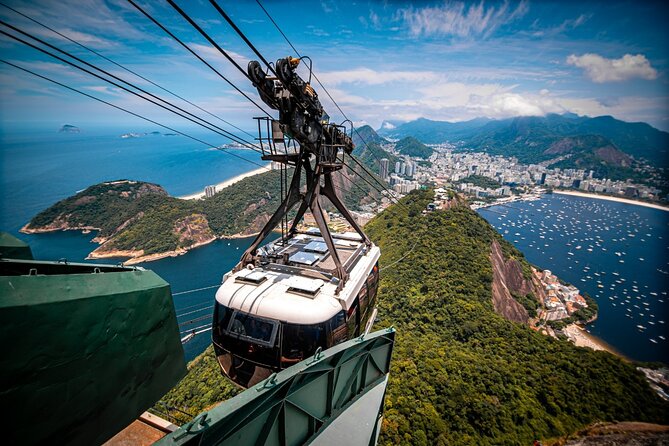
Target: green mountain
[[140, 220], [410, 146], [366, 135], [462, 372], [529, 137], [433, 132]]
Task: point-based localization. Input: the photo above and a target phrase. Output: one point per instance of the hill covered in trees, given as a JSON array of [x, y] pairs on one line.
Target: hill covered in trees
[[368, 148], [412, 147], [462, 374], [140, 220]]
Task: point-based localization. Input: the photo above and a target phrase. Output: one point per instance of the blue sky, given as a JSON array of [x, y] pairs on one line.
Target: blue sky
[[380, 60]]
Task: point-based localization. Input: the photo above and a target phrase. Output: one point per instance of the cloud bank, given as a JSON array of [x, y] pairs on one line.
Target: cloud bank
[[600, 69]]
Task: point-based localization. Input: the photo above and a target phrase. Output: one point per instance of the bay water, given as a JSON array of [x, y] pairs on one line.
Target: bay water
[[618, 253]]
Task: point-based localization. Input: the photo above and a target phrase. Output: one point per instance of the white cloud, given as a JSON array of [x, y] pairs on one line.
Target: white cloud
[[600, 69], [460, 19], [373, 77], [445, 100]]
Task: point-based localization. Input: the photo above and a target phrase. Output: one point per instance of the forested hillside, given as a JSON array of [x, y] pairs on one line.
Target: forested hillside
[[138, 219], [461, 374], [412, 147]]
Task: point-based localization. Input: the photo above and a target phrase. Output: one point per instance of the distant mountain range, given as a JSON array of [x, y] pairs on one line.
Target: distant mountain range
[[591, 142]]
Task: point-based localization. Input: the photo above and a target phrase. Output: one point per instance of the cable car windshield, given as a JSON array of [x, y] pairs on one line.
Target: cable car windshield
[[251, 328]]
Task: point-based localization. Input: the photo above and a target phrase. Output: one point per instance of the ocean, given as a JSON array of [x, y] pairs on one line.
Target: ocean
[[618, 253], [38, 168]]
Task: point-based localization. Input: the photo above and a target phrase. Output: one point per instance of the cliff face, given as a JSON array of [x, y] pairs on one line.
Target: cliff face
[[507, 278]]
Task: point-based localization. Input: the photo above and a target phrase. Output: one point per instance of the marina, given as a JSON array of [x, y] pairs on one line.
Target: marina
[[615, 252]]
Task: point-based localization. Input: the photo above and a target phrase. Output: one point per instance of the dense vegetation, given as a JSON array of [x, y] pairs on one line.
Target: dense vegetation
[[410, 146], [481, 181], [135, 215], [590, 161], [366, 135], [461, 374], [371, 154], [201, 389]]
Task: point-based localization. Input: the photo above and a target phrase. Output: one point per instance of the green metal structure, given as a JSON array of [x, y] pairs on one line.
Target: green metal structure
[[13, 248], [335, 397], [88, 348]]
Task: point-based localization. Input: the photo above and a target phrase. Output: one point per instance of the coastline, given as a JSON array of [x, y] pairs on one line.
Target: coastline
[[581, 338], [135, 257], [610, 198], [227, 183]]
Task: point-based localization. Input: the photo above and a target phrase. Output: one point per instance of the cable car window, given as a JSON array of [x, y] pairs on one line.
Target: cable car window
[[251, 328], [222, 317], [362, 297], [353, 321], [300, 342], [338, 328]]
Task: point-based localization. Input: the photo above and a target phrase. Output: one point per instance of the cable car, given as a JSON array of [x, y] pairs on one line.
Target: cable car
[[310, 289], [270, 317]]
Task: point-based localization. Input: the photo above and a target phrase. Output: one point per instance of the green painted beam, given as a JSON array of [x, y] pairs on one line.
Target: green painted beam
[[88, 348], [13, 248], [296, 405]]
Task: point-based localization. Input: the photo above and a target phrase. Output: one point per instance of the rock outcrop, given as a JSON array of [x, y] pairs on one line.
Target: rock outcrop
[[508, 279]]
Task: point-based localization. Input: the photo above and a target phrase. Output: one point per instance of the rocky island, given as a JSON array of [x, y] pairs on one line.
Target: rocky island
[[67, 128], [142, 222]]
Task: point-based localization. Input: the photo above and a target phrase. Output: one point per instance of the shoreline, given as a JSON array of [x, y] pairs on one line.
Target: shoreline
[[227, 183], [610, 198], [582, 338], [133, 257]]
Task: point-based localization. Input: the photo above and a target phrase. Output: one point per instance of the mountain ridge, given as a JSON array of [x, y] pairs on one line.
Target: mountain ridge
[[527, 137]]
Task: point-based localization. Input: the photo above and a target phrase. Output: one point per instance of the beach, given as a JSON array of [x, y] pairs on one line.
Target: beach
[[582, 338], [227, 183], [610, 198]]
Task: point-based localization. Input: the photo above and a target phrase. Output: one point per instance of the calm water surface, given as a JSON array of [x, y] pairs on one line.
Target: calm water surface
[[616, 252]]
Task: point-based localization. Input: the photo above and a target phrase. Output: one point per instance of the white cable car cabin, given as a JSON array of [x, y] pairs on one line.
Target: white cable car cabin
[[272, 316], [308, 290]]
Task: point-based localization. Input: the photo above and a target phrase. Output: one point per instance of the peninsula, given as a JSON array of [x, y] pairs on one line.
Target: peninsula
[[142, 222]]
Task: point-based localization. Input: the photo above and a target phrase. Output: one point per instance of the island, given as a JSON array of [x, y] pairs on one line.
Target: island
[[67, 128], [142, 222]]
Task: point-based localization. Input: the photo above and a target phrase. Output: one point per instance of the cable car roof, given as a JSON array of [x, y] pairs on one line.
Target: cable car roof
[[300, 292]]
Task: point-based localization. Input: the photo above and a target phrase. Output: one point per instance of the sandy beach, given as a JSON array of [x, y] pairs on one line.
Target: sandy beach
[[227, 183], [582, 338], [609, 198]]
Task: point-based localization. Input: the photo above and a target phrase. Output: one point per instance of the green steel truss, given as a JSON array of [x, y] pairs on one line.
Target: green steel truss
[[296, 405]]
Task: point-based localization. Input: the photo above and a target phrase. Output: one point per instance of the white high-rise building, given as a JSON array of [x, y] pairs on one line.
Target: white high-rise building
[[209, 191]]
